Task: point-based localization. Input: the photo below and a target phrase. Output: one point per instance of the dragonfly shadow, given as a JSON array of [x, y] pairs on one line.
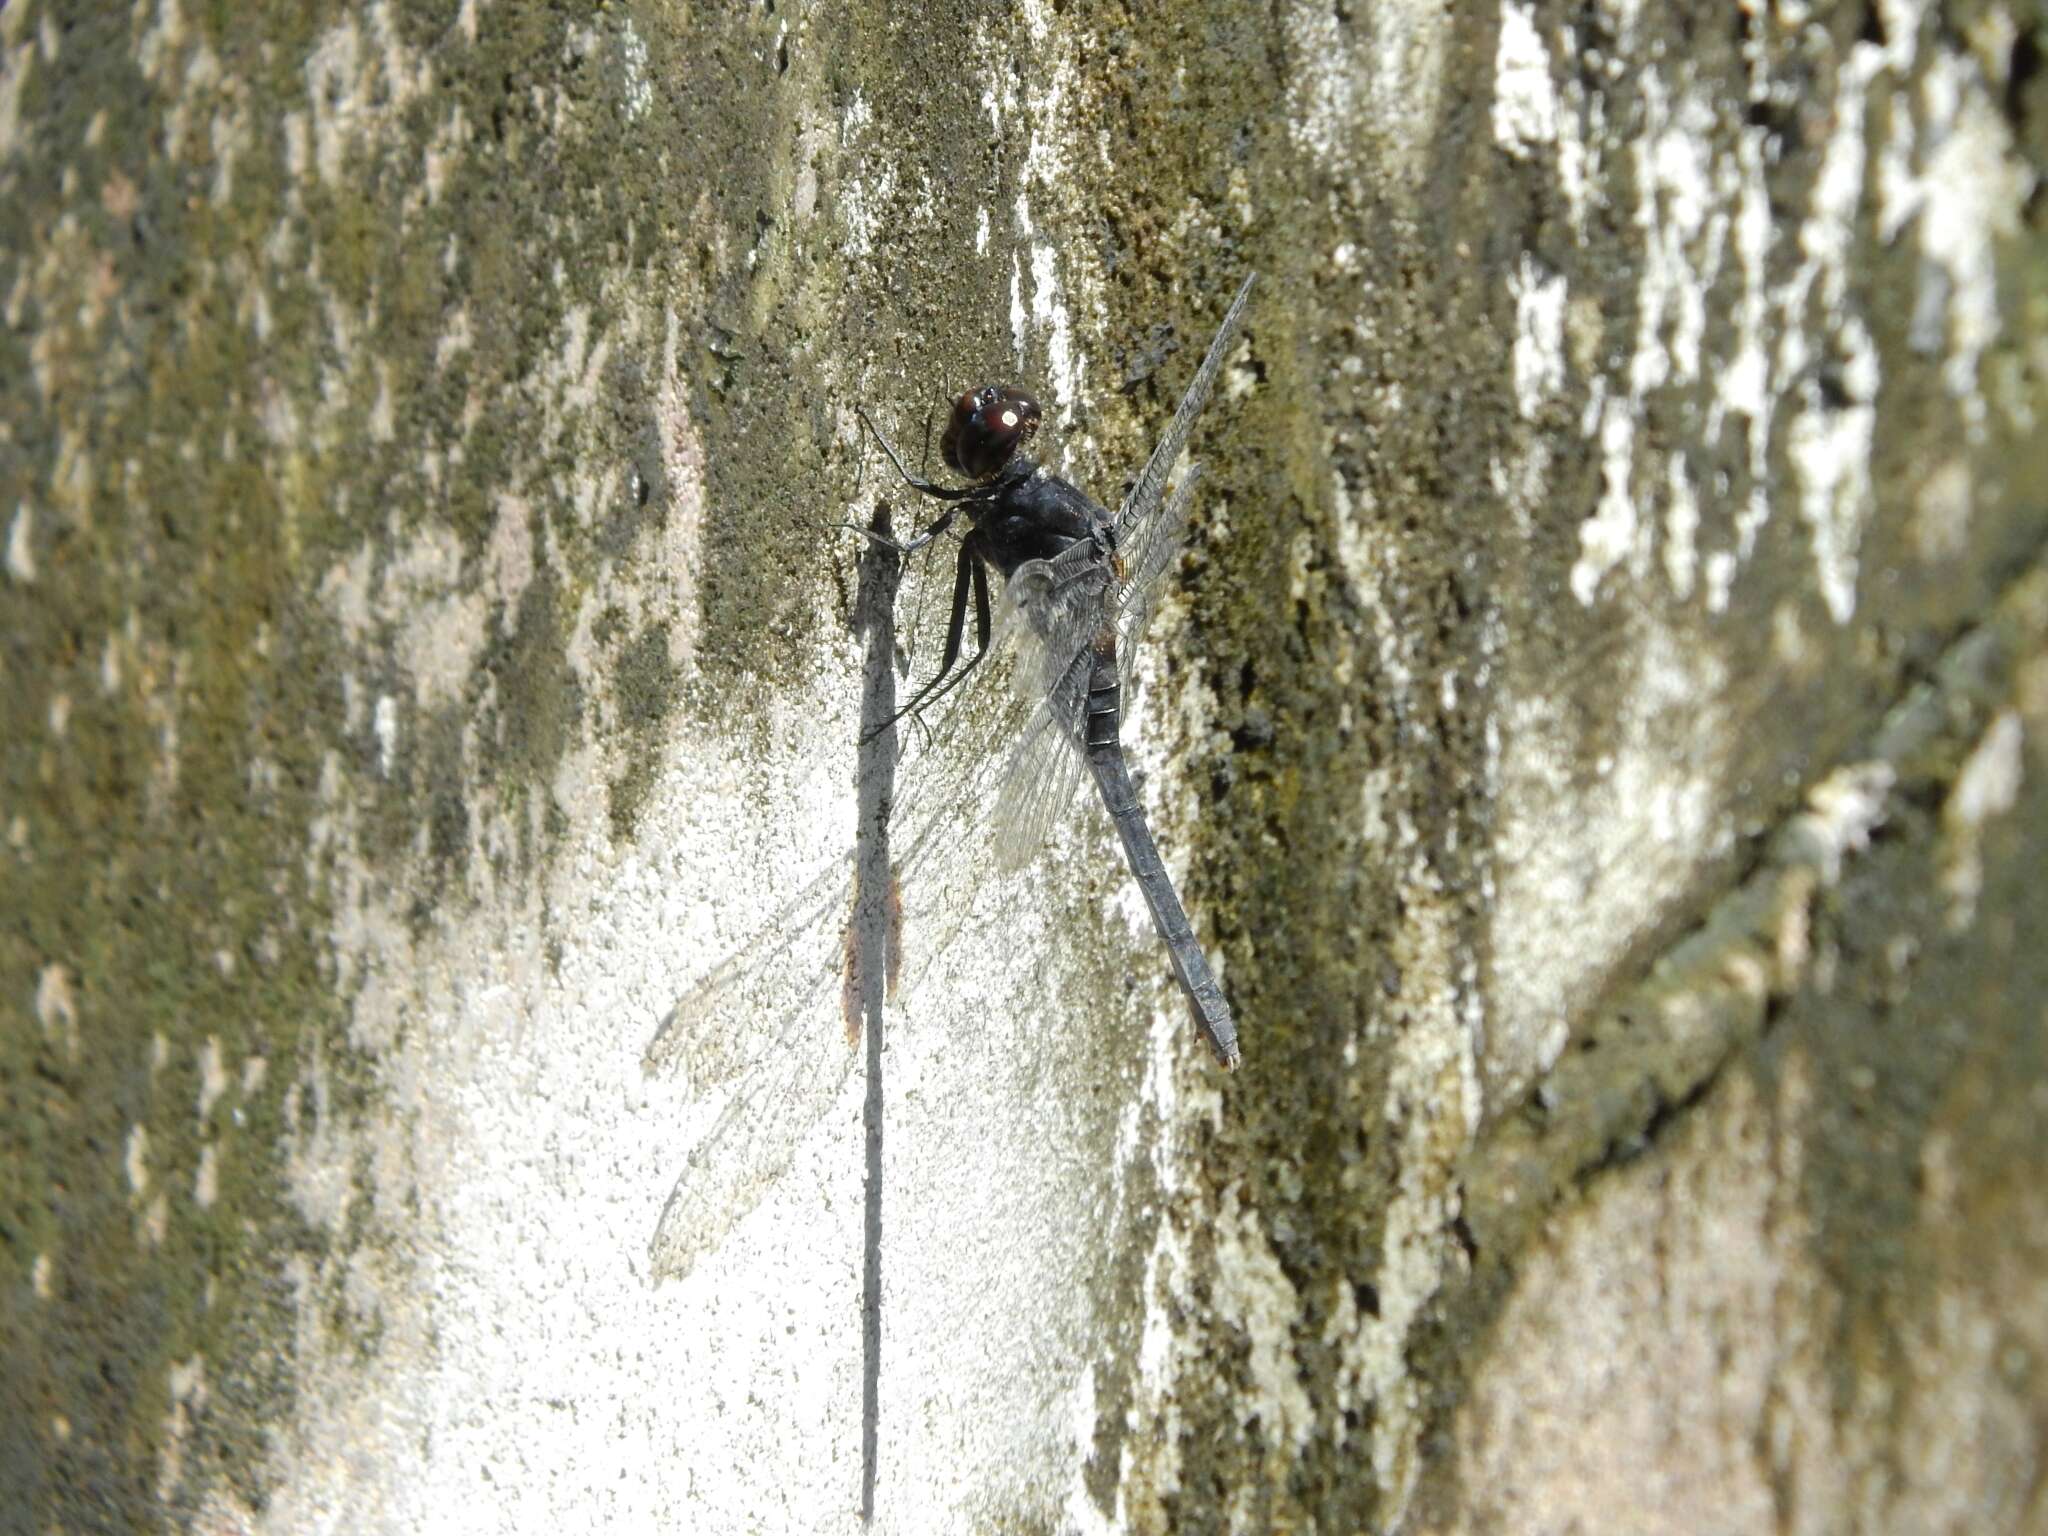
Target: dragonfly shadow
[[756, 1017], [874, 949]]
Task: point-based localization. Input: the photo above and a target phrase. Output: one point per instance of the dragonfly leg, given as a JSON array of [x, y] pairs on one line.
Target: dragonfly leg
[[971, 575], [910, 546], [983, 628], [918, 483]]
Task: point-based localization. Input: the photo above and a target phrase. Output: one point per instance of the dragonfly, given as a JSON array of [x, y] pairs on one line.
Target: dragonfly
[[1078, 582]]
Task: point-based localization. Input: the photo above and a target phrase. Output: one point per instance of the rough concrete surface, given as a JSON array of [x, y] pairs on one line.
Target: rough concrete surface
[[1598, 730]]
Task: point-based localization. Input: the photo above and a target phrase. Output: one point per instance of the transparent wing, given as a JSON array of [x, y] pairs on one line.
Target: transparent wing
[[1166, 536], [1043, 773], [725, 1024], [1139, 506], [753, 1142], [769, 1015], [1054, 612], [1058, 613]]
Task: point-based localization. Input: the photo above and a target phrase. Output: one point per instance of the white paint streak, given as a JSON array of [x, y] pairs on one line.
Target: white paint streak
[[136, 1159], [213, 1075], [1019, 316], [1608, 537], [1366, 85], [1682, 232], [1829, 442], [638, 88], [21, 555], [1063, 370], [1524, 97], [384, 723], [1968, 195], [1830, 445], [1681, 529], [1539, 335], [1988, 786], [1742, 385]]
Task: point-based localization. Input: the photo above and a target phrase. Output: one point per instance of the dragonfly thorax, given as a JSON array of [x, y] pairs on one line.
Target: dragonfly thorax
[[1033, 514]]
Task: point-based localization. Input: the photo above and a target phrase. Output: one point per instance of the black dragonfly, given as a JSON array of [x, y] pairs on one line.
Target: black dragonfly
[[1077, 587], [1078, 579]]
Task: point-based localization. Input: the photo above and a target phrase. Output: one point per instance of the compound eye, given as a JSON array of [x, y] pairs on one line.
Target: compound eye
[[988, 426]]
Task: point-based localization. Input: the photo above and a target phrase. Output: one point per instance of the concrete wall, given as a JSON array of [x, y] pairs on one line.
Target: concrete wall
[[1599, 730]]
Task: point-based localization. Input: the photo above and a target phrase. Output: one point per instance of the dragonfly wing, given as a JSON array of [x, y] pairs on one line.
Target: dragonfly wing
[[1045, 768], [1143, 501], [749, 1148], [1056, 610], [737, 1014], [1164, 537], [767, 1018], [1037, 788]]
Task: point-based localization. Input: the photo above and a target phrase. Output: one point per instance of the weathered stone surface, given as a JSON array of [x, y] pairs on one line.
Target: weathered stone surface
[[1816, 1300], [1599, 729]]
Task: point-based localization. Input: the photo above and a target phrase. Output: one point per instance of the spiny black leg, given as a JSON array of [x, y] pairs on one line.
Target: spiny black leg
[[963, 577], [982, 631], [917, 483], [932, 693], [912, 546]]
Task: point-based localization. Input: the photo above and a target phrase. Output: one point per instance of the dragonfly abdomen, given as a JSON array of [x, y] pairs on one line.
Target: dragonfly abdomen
[[1112, 777], [1103, 726]]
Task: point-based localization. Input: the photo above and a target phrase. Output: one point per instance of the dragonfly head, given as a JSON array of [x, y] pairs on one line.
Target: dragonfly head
[[989, 425]]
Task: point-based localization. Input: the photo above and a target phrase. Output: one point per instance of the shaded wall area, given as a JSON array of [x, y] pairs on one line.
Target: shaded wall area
[[1598, 729]]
